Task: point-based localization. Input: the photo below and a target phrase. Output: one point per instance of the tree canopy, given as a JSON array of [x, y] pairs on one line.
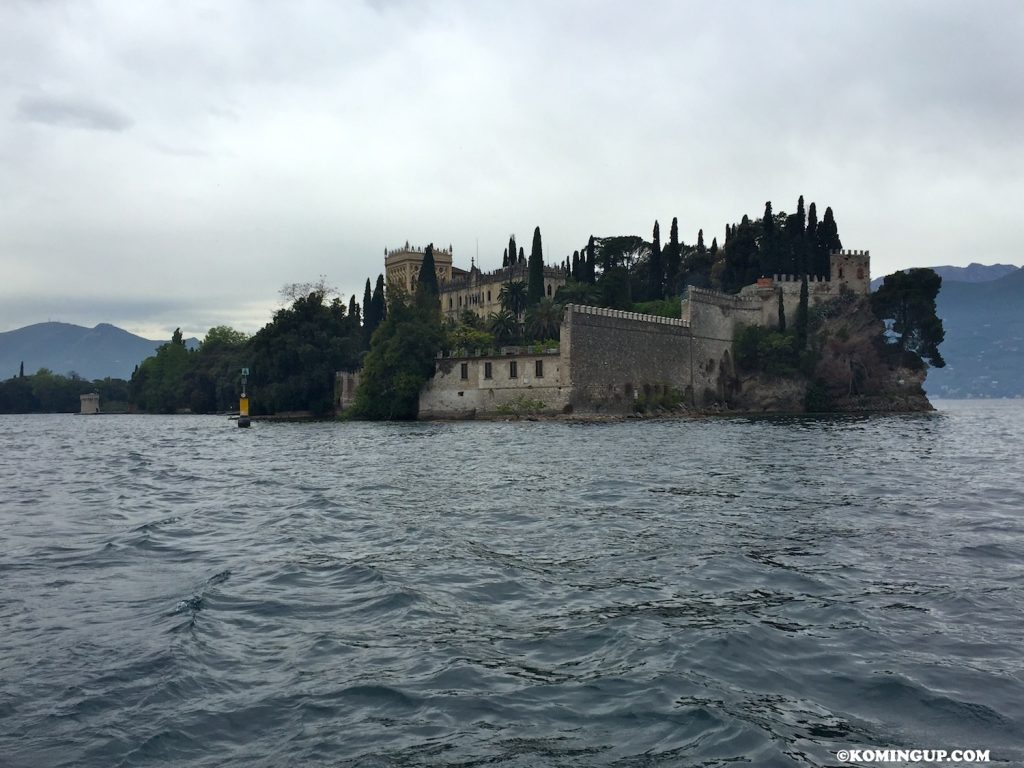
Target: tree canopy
[[907, 299]]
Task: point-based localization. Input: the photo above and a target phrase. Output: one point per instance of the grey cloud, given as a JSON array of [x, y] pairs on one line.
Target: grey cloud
[[65, 112]]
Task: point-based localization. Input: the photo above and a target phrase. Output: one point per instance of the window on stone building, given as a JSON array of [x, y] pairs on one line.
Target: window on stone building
[[488, 297], [549, 289], [538, 369], [487, 370], [513, 370], [464, 370]]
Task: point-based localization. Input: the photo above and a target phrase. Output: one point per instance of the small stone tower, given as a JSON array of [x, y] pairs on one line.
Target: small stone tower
[[853, 269]]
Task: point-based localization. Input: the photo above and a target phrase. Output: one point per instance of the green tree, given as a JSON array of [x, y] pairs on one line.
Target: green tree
[[400, 361], [294, 358], [535, 271], [782, 313], [575, 292], [655, 269], [426, 283], [513, 297], [815, 264], [544, 320], [503, 326], [591, 271], [673, 259], [907, 299], [827, 241]]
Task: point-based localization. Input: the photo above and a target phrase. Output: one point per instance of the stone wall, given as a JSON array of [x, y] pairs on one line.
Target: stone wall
[[615, 358], [462, 389]]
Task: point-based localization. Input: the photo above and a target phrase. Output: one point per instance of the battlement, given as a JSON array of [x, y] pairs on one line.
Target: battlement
[[711, 296], [500, 275], [844, 252], [417, 249], [797, 279], [584, 309]]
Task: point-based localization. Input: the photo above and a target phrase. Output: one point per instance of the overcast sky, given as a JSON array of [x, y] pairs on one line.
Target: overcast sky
[[174, 164]]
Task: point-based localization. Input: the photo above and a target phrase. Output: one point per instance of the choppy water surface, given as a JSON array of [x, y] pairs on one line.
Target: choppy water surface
[[177, 591]]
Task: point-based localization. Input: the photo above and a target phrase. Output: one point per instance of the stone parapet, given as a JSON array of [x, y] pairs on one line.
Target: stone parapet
[[584, 309]]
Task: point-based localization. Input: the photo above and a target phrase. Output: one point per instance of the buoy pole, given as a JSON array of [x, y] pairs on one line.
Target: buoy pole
[[243, 402]]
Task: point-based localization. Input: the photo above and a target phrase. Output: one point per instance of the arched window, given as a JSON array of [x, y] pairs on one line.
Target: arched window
[[549, 289], [840, 273]]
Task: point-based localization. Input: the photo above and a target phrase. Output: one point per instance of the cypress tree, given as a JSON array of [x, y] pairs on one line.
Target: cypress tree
[[21, 370], [522, 255], [511, 250], [673, 259], [575, 271], [802, 256], [656, 274], [770, 258], [535, 275], [813, 253], [828, 236], [382, 285], [367, 314], [426, 283], [353, 308], [378, 303], [714, 247], [782, 313], [504, 258]]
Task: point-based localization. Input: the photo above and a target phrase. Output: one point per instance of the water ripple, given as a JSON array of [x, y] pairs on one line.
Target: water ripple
[[706, 592]]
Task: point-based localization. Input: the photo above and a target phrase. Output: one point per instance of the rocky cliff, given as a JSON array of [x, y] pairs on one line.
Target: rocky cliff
[[847, 367]]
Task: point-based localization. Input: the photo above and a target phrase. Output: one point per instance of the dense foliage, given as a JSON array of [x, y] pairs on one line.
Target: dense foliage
[[400, 360], [292, 360], [47, 392], [908, 300]]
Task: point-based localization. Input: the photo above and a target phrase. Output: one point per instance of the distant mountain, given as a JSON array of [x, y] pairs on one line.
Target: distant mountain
[[972, 273], [92, 353], [984, 346]]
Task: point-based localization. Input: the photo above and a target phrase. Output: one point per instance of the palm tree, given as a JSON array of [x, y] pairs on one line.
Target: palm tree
[[544, 320], [503, 325], [513, 297], [574, 292]]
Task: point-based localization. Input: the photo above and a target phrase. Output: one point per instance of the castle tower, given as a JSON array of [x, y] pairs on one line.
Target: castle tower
[[402, 266], [852, 269]]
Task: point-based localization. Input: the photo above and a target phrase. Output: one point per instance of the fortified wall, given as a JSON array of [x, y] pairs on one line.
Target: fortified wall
[[850, 270], [616, 357], [608, 360]]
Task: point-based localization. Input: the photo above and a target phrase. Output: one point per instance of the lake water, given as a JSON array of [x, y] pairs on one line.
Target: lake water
[[177, 591]]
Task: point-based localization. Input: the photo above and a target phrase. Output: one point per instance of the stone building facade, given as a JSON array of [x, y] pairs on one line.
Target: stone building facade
[[850, 270], [402, 266], [479, 291], [608, 359], [460, 290]]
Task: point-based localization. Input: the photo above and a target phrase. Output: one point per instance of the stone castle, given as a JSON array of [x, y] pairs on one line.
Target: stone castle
[[460, 289], [608, 359]]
